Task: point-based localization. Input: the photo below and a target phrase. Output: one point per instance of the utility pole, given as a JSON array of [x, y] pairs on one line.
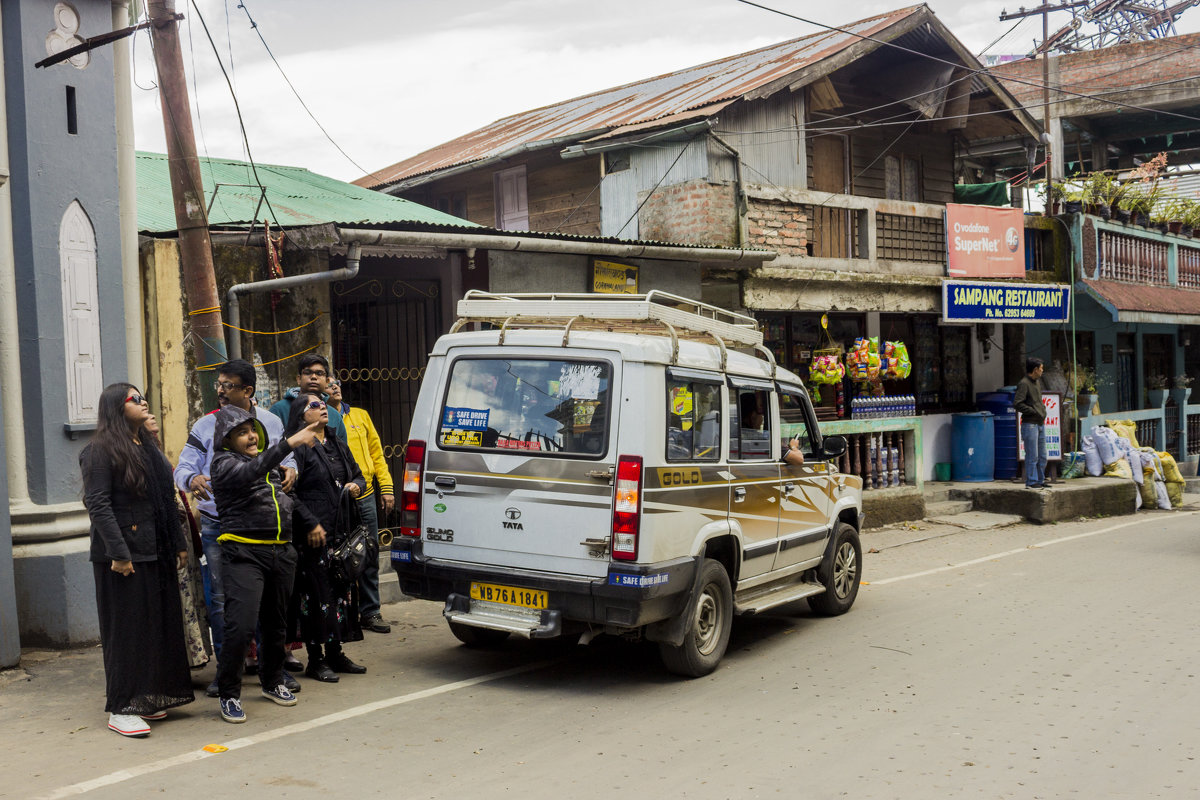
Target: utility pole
[[187, 189]]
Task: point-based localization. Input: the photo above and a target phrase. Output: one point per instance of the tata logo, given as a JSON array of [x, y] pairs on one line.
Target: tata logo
[[512, 513]]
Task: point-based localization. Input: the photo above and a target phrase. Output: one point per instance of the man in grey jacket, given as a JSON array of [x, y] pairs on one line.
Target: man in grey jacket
[[1028, 403]]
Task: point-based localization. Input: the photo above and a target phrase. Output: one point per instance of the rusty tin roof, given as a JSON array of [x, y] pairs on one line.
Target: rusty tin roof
[[713, 84]]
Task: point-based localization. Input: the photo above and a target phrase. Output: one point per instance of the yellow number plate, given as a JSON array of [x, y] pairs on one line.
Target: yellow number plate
[[510, 595]]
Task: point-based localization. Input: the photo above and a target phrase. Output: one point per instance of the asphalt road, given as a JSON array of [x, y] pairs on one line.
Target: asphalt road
[[1026, 662]]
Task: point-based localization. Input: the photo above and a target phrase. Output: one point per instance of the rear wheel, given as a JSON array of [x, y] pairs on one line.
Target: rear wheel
[[472, 636], [707, 637], [840, 572]]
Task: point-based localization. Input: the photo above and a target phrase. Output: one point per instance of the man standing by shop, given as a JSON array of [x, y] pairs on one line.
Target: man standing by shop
[[368, 452], [235, 387], [1028, 403], [312, 377]]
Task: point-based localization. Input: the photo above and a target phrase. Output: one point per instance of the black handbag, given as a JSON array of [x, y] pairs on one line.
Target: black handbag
[[352, 545]]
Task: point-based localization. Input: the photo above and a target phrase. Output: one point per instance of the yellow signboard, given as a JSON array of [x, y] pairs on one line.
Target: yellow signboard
[[609, 277]]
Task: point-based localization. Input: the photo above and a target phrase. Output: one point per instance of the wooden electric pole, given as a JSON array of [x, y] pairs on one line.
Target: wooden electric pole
[[187, 189]]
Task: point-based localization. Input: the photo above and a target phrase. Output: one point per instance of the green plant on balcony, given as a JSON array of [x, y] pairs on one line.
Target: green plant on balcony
[[1140, 201], [1183, 381], [1101, 192], [1081, 379], [1157, 382]]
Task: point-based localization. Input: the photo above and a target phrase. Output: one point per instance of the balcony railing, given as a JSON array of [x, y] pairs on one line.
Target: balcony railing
[[1132, 259]]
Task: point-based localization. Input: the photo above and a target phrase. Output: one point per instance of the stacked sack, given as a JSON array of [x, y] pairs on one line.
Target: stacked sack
[[1173, 479], [1153, 489]]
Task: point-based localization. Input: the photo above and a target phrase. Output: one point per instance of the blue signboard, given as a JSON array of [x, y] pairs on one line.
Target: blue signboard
[[977, 301], [466, 419]]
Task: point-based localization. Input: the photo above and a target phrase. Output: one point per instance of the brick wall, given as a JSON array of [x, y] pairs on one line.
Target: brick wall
[[694, 212], [1126, 66], [778, 226]]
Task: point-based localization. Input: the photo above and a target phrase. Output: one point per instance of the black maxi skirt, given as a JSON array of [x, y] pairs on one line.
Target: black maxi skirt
[[141, 630], [325, 609]]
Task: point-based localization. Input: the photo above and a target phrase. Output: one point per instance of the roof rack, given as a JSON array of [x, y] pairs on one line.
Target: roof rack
[[611, 312]]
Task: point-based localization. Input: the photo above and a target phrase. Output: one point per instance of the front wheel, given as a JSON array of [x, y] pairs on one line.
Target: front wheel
[[840, 572], [707, 635], [472, 636]]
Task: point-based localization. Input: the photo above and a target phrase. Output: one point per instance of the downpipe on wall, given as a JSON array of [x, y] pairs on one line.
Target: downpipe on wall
[[353, 255]]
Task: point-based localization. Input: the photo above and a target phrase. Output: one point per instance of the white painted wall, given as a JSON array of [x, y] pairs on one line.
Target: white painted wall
[[935, 442]]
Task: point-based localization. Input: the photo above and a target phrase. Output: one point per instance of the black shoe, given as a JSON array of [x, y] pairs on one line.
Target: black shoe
[[320, 671], [212, 690], [375, 623], [291, 683], [291, 664], [340, 663]]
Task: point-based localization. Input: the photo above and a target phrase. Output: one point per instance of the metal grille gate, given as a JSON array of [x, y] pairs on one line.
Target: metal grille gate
[[383, 331]]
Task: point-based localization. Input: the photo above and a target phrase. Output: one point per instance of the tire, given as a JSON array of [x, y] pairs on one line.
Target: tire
[[840, 572], [477, 637], [711, 616]]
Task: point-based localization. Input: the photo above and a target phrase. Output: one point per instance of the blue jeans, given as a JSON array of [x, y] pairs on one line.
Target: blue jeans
[[368, 582], [214, 594], [1034, 438]]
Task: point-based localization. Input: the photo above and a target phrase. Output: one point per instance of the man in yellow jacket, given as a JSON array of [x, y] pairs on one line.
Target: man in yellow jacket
[[368, 452]]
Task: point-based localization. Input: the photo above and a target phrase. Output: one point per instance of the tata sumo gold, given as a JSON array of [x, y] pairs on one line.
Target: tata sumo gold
[[621, 464]]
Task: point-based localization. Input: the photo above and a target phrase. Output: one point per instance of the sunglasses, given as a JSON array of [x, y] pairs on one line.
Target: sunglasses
[[226, 385], [137, 398], [316, 404]]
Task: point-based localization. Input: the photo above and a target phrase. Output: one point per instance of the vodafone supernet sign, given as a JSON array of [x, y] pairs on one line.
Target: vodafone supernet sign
[[985, 241]]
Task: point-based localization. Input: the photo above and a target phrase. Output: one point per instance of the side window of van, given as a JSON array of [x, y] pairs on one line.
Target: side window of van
[[792, 421], [750, 424], [693, 421]]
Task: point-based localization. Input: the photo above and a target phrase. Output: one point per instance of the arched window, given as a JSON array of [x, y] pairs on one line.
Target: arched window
[[81, 314]]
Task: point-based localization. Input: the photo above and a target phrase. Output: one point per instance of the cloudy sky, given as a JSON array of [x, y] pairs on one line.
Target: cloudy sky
[[390, 78]]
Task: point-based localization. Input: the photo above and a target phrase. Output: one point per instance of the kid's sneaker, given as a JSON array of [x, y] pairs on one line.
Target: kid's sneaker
[[231, 710], [279, 695]]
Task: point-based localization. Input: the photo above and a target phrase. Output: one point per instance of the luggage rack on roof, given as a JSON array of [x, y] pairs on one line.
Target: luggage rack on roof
[[615, 313]]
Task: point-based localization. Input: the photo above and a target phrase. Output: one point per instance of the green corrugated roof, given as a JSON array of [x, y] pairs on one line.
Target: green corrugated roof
[[297, 197]]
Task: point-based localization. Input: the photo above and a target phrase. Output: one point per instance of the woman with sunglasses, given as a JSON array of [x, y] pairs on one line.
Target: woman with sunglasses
[[325, 606], [137, 548]]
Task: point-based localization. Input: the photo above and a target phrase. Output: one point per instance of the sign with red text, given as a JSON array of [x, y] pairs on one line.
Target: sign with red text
[[985, 241], [1053, 429]]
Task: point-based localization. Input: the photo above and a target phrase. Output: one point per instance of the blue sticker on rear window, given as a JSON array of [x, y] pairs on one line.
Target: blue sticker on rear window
[[466, 419], [401, 555], [637, 581]]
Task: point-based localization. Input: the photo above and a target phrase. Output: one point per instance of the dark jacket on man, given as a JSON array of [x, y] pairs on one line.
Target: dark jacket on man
[[251, 504], [1028, 402]]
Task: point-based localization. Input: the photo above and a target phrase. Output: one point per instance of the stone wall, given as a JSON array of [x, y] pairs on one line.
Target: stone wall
[[693, 212], [777, 225]]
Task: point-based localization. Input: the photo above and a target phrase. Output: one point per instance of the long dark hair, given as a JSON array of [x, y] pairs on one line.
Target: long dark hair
[[295, 419], [114, 439]]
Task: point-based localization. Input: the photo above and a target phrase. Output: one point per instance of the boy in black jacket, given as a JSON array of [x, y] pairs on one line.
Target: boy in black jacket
[[258, 561]]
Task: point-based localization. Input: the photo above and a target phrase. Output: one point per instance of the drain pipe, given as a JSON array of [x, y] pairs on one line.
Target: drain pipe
[[353, 254]]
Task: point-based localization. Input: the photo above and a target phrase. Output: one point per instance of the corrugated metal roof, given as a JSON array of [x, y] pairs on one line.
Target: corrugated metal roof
[[296, 196], [1142, 299], [726, 79]]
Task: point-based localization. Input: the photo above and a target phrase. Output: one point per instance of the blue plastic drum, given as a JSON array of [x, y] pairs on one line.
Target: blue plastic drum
[[1004, 418], [972, 446]]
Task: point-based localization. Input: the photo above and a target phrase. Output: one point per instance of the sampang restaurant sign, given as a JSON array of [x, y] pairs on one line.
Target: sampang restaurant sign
[[976, 301], [985, 241]]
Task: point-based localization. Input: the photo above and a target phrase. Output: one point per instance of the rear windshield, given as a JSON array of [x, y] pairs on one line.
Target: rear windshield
[[544, 406]]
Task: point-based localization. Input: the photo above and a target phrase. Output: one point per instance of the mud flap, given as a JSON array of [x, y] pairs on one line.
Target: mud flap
[[673, 629]]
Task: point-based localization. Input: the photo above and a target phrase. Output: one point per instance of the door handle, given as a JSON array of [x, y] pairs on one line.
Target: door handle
[[600, 474], [445, 482], [739, 494]]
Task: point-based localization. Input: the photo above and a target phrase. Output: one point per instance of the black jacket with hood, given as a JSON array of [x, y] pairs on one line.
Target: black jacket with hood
[[251, 504]]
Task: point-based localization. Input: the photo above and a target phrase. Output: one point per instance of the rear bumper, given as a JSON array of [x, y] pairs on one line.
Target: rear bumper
[[629, 596]]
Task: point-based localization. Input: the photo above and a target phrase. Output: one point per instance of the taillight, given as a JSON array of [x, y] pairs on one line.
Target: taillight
[[410, 488], [627, 508]]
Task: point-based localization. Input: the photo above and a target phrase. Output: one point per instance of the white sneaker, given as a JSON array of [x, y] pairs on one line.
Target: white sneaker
[[157, 715], [128, 725]]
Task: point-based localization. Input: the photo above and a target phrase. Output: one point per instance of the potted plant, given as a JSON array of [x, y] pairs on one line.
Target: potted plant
[[1140, 201], [1170, 212], [1181, 389], [1156, 390], [1082, 382], [1191, 216], [1100, 191]]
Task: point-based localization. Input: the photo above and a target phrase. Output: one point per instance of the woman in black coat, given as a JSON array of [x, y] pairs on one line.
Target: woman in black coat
[[326, 607], [137, 547]]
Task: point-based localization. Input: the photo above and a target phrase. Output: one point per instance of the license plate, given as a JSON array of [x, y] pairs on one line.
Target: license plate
[[510, 595]]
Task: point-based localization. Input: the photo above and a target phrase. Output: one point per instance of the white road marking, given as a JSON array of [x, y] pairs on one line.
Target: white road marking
[[266, 736], [1018, 551]]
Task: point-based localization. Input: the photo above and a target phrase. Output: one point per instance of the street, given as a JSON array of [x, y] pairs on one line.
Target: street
[[1025, 662]]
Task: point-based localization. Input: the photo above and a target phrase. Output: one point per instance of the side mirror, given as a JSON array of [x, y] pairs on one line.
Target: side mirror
[[833, 446]]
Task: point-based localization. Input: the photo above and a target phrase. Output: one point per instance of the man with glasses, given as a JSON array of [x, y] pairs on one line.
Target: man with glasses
[[235, 387], [312, 377]]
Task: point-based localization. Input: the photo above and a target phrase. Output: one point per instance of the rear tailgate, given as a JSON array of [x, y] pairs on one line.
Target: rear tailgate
[[518, 474]]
